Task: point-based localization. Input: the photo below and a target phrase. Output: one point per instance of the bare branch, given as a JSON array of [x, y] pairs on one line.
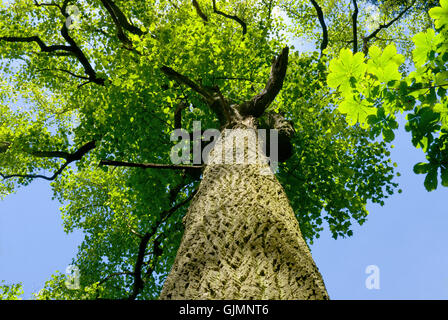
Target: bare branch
[[42, 45], [355, 26], [384, 26], [66, 71], [199, 11], [149, 165], [258, 104], [69, 157], [233, 17], [157, 252], [320, 15], [181, 79]]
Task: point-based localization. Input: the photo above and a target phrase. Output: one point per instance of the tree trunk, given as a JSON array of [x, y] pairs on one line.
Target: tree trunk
[[242, 239]]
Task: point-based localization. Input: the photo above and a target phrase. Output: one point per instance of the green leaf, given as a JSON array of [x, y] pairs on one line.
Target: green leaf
[[431, 180], [388, 135], [421, 168], [440, 14], [425, 42], [383, 64], [346, 69], [356, 111], [444, 176]]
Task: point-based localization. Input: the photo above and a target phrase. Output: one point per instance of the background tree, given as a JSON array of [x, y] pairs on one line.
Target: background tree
[[90, 101]]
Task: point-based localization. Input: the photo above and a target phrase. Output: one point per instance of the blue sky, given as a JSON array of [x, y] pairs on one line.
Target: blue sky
[[406, 239]]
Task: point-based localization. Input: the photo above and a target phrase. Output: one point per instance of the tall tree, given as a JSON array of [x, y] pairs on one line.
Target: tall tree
[[92, 94]]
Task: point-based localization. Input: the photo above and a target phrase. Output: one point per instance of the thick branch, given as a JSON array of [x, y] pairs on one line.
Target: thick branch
[[258, 104], [212, 96], [384, 26], [181, 79], [355, 26], [121, 18], [235, 18], [121, 22], [320, 15], [42, 45], [199, 11]]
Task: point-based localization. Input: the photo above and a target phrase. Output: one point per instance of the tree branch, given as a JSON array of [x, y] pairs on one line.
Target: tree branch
[[102, 281], [47, 5], [199, 11], [66, 71], [41, 44], [72, 48], [355, 26], [121, 22], [157, 252], [320, 15], [178, 115], [181, 79], [366, 40], [212, 96], [88, 69], [149, 165], [258, 104], [69, 158], [235, 18], [121, 18]]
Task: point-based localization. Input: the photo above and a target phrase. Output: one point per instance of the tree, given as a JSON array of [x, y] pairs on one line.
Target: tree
[[93, 93]]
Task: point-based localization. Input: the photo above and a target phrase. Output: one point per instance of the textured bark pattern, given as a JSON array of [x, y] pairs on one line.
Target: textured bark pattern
[[242, 239]]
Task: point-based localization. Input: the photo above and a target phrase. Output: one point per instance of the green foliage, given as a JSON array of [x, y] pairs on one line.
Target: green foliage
[[10, 292]]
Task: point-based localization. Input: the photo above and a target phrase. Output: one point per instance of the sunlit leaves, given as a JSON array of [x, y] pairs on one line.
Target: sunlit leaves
[[425, 43], [383, 64], [440, 14], [346, 70], [10, 292], [356, 110]]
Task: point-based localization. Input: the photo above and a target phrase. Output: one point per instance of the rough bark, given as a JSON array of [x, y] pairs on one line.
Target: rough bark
[[242, 239]]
